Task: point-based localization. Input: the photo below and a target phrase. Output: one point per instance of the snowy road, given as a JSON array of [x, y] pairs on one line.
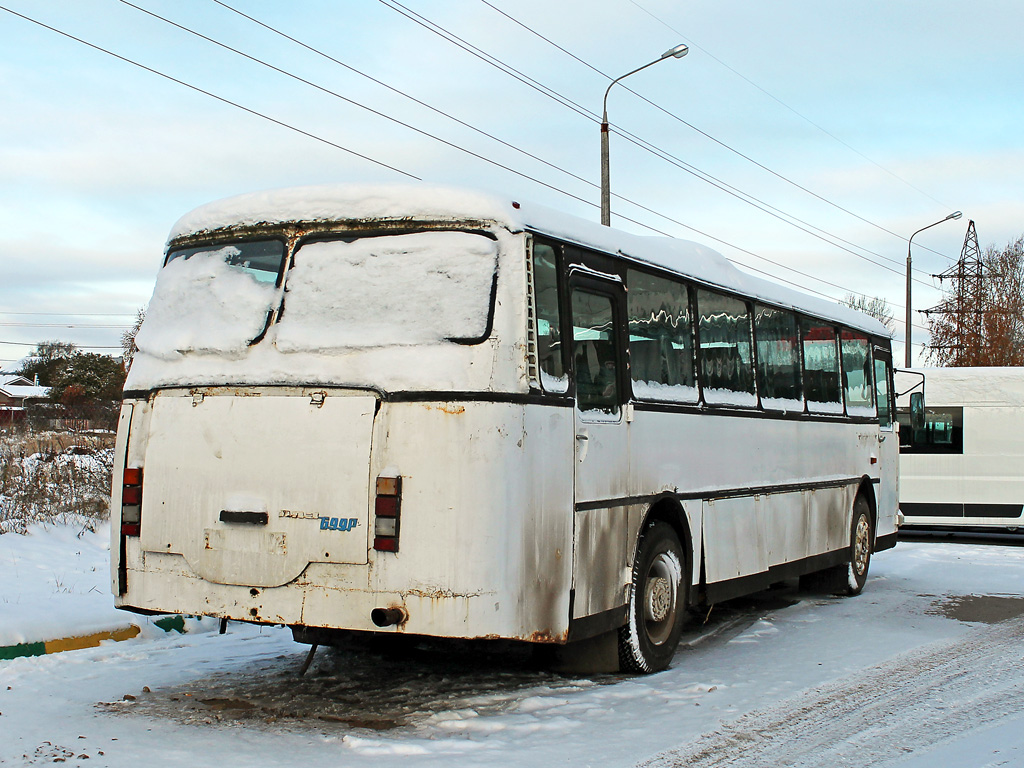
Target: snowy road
[[924, 668], [880, 713]]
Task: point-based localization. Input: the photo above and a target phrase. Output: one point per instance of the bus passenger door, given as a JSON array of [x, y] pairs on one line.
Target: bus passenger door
[[602, 446], [888, 444]]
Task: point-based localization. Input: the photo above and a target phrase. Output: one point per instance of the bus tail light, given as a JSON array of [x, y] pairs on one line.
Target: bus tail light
[[131, 501], [387, 508]]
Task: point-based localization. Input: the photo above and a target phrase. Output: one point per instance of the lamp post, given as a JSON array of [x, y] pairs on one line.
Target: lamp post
[[606, 195], [954, 215]]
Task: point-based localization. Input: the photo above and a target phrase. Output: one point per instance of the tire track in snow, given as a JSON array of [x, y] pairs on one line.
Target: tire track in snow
[[913, 701]]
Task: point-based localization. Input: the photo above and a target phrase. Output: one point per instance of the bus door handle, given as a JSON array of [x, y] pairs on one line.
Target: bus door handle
[[881, 438], [582, 440]]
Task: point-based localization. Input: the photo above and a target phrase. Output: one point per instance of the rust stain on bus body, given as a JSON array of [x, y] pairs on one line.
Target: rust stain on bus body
[[451, 409], [546, 636], [543, 636]]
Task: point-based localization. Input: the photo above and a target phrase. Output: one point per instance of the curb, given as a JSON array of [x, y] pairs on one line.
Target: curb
[[78, 642]]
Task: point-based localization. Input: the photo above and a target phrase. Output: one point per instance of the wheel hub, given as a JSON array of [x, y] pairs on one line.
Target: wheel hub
[[861, 546], [659, 599]]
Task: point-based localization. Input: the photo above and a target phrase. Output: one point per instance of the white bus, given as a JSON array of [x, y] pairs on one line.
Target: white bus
[[965, 467], [441, 413]]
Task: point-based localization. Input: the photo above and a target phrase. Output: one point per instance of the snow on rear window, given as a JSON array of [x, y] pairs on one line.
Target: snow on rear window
[[392, 290], [202, 304]]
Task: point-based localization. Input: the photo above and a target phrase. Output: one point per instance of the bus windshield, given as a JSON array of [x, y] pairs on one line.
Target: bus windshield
[[416, 288]]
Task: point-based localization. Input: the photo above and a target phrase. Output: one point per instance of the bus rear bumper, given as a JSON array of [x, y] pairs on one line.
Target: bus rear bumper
[[308, 602]]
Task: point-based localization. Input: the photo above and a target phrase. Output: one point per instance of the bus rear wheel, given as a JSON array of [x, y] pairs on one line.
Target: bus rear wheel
[[849, 579], [861, 539], [657, 602]]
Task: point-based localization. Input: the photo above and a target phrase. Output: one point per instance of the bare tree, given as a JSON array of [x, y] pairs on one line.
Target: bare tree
[[128, 338], [1000, 307], [877, 307]]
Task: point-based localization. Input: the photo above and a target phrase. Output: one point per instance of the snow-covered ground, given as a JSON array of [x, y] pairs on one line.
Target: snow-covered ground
[[55, 583], [925, 668]]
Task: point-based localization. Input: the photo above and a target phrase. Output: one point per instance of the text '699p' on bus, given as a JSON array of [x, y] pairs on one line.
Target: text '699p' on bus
[[436, 412]]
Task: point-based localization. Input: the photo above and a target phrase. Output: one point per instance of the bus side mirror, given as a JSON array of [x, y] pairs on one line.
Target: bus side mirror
[[917, 410]]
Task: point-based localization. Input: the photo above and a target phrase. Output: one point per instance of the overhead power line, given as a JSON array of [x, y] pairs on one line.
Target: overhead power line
[[447, 143], [722, 144], [463, 123], [420, 131], [408, 96], [79, 346], [561, 191], [208, 93], [60, 325], [546, 90], [250, 111], [72, 314], [353, 102], [803, 117], [450, 37]]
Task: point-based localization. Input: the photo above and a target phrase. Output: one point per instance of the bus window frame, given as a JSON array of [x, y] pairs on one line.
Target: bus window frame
[[690, 288], [350, 236], [805, 322], [536, 382], [754, 304], [589, 278], [695, 309], [215, 244], [843, 383], [614, 269], [882, 355]]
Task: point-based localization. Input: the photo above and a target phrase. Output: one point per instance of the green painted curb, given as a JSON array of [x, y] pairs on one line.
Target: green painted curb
[[22, 649], [171, 623]]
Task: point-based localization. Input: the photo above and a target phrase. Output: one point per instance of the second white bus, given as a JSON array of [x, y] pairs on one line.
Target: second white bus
[[964, 468], [442, 413]]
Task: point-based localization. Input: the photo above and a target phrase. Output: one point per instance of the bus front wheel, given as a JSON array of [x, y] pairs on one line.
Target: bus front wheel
[[657, 602]]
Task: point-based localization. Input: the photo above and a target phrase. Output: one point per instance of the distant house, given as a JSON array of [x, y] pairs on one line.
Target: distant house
[[15, 392]]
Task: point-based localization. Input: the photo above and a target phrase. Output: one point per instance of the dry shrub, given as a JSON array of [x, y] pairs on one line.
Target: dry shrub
[[54, 477]]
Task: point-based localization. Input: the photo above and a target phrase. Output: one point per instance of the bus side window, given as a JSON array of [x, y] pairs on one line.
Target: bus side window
[[595, 352], [882, 392], [548, 330], [726, 359], [857, 380], [660, 339], [778, 359], [821, 369]]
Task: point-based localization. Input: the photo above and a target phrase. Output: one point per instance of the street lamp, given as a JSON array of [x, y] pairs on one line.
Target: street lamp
[[954, 215], [606, 195]]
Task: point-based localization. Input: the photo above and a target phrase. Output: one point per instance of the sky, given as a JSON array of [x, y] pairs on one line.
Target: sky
[[805, 140]]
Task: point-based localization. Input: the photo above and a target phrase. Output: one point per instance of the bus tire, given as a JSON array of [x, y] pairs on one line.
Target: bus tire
[[657, 602], [848, 579], [861, 539]]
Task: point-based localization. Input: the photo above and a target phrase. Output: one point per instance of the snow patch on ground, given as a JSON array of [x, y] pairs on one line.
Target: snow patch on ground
[[55, 581], [774, 661]]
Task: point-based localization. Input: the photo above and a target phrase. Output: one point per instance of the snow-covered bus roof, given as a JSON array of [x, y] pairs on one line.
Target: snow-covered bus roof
[[424, 202]]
